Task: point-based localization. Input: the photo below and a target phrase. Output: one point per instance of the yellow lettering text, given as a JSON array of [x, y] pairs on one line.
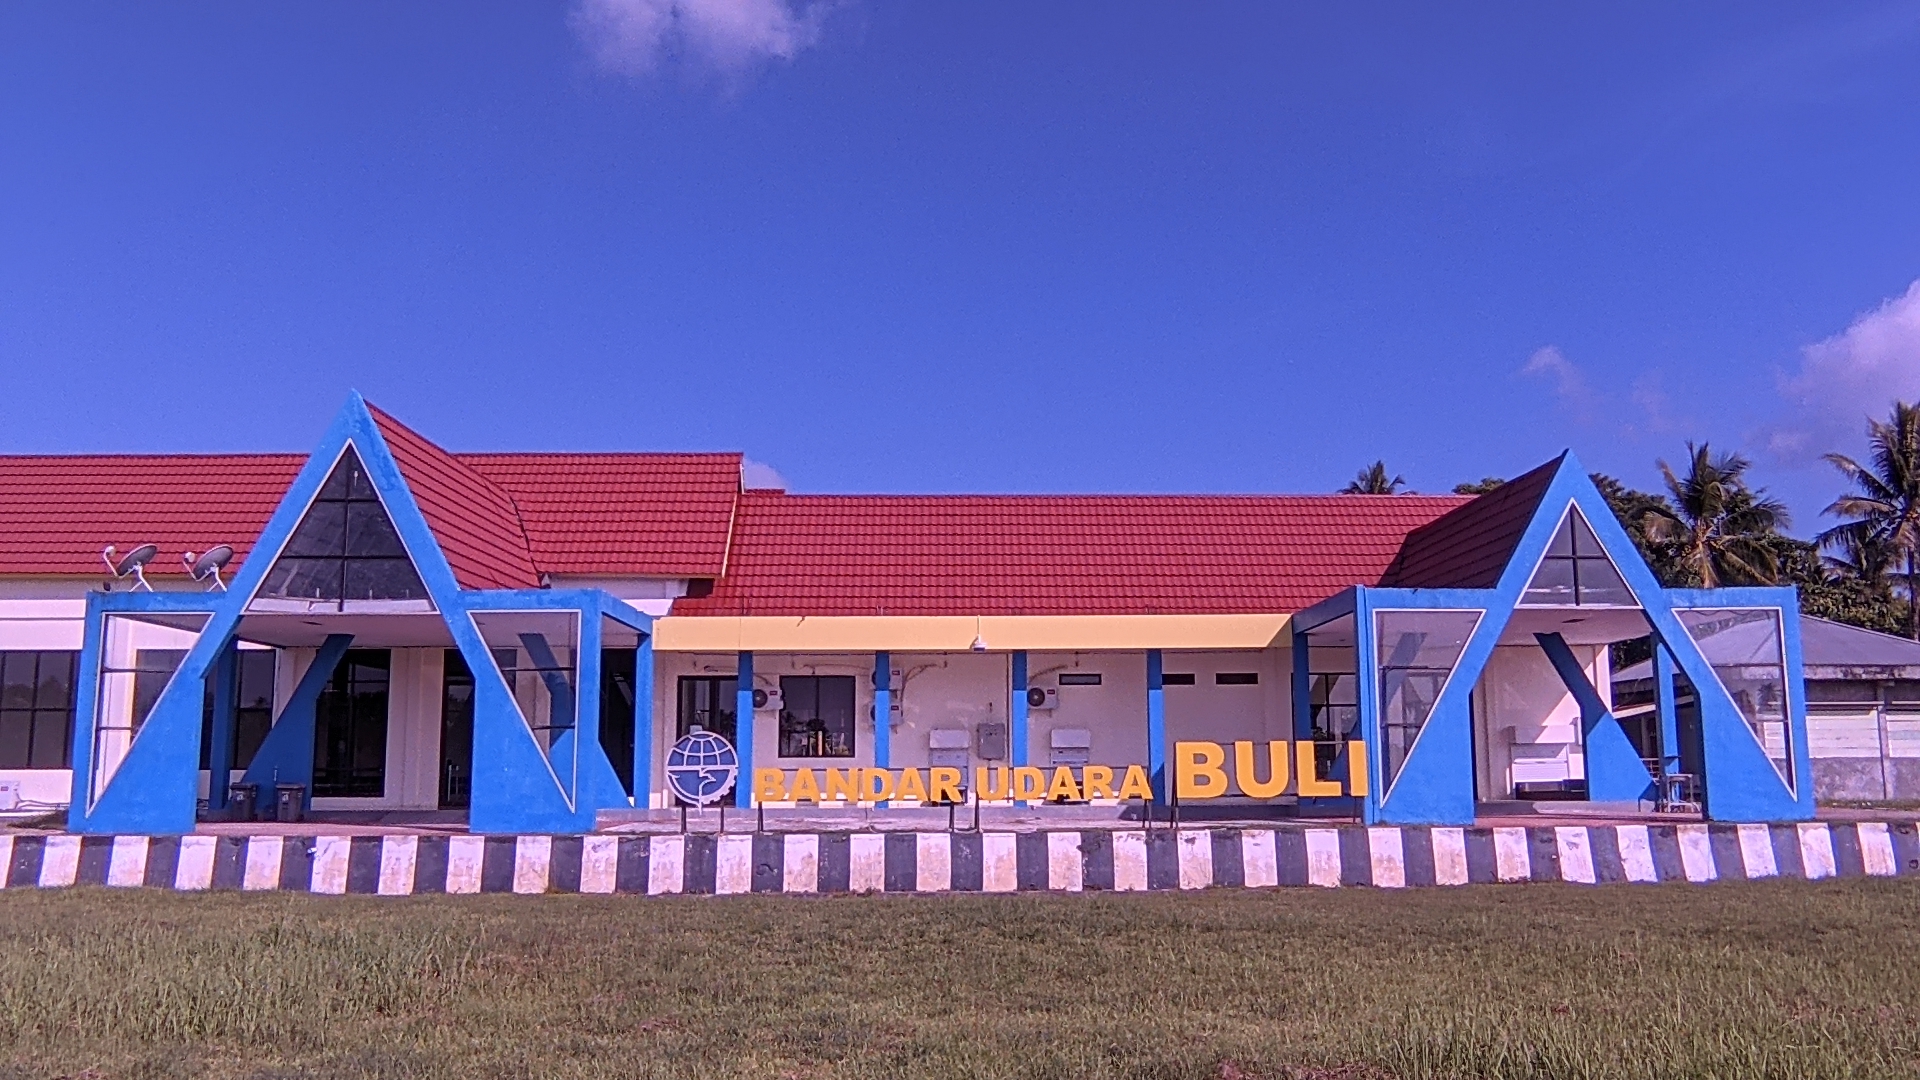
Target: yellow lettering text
[[805, 787], [910, 786], [1310, 783], [1356, 768], [1134, 785], [1063, 787], [990, 783], [843, 784], [1029, 783], [1244, 771], [1197, 772], [769, 785], [1099, 780], [943, 784], [876, 785]]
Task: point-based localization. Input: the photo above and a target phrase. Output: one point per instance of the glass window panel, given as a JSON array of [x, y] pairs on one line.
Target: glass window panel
[[350, 730], [52, 735], [54, 686], [345, 548], [371, 533], [1584, 542], [537, 653], [1744, 648], [1562, 542], [816, 716], [138, 660], [17, 679], [322, 532], [1552, 583], [1417, 652], [16, 738], [382, 579], [1601, 583]]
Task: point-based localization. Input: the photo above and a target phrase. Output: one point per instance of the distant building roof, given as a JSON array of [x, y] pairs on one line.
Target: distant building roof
[[1828, 650]]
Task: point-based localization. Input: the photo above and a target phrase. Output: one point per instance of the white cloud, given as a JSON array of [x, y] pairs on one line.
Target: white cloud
[[731, 37], [1850, 376], [759, 474], [1570, 386]]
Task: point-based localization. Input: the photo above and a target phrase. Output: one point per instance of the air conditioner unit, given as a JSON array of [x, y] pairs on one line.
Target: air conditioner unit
[[1043, 697], [768, 700]]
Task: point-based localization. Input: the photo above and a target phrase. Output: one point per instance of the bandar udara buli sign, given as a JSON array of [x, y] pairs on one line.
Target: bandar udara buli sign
[[1201, 771]]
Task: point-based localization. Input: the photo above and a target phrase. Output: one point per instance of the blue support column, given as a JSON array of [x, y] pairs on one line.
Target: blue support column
[[225, 676], [743, 731], [1669, 710], [1614, 771], [643, 724], [286, 756], [1017, 711], [1302, 689], [1157, 728], [882, 708]]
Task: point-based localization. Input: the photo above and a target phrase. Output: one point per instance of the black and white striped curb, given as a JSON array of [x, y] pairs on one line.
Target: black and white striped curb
[[993, 862]]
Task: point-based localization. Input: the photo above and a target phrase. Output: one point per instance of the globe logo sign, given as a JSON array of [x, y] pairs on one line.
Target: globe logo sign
[[702, 767]]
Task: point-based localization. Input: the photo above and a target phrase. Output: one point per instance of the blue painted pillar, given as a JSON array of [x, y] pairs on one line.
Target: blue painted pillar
[[1668, 708], [220, 736], [882, 708], [1614, 772], [643, 723], [286, 756], [1302, 690], [743, 731], [1017, 711], [1157, 727]]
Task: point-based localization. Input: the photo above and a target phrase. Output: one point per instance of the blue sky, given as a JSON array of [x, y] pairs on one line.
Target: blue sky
[[970, 246]]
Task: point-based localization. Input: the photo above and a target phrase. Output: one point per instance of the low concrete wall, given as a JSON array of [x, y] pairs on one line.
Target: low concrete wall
[[992, 862]]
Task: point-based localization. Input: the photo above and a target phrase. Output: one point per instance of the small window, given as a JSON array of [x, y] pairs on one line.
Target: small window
[[1081, 678], [1237, 678], [816, 716], [1177, 678], [36, 709]]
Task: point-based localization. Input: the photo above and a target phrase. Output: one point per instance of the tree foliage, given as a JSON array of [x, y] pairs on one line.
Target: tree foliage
[[1373, 480]]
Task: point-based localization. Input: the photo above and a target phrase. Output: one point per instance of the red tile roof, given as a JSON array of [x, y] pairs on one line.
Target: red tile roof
[[56, 513], [502, 519], [476, 523], [1468, 548], [606, 514], [1056, 555]]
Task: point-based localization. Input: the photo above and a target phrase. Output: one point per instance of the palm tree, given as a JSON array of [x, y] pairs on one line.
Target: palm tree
[[1719, 527], [1373, 480], [1884, 509]]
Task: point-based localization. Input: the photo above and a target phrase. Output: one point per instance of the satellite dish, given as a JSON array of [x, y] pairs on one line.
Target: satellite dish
[[207, 567], [133, 563]]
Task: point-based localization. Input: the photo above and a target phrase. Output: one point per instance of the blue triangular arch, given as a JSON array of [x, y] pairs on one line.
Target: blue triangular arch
[[154, 790], [1743, 784]]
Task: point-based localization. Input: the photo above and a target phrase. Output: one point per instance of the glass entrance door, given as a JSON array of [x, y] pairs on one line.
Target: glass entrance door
[[350, 735], [456, 733]]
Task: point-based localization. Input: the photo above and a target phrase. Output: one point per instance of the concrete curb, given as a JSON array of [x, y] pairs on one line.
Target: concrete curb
[[990, 862]]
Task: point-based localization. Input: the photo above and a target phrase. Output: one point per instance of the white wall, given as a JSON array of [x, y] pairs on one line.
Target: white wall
[[1224, 714], [1521, 704]]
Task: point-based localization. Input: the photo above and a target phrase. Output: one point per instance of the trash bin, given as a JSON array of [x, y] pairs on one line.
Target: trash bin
[[290, 802], [243, 800]]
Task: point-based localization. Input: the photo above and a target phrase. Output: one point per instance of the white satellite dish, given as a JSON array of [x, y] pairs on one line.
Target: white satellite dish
[[133, 563], [207, 567]]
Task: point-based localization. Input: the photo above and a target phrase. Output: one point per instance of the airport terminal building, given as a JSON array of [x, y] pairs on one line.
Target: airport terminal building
[[522, 640]]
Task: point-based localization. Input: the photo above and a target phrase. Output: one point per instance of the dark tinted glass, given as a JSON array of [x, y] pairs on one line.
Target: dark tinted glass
[[345, 547]]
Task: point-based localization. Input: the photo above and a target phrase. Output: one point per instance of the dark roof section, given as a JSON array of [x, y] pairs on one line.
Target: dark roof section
[[1470, 547], [477, 525], [820, 555]]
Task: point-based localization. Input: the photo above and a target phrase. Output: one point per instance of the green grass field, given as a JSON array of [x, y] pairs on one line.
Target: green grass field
[[1742, 980]]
